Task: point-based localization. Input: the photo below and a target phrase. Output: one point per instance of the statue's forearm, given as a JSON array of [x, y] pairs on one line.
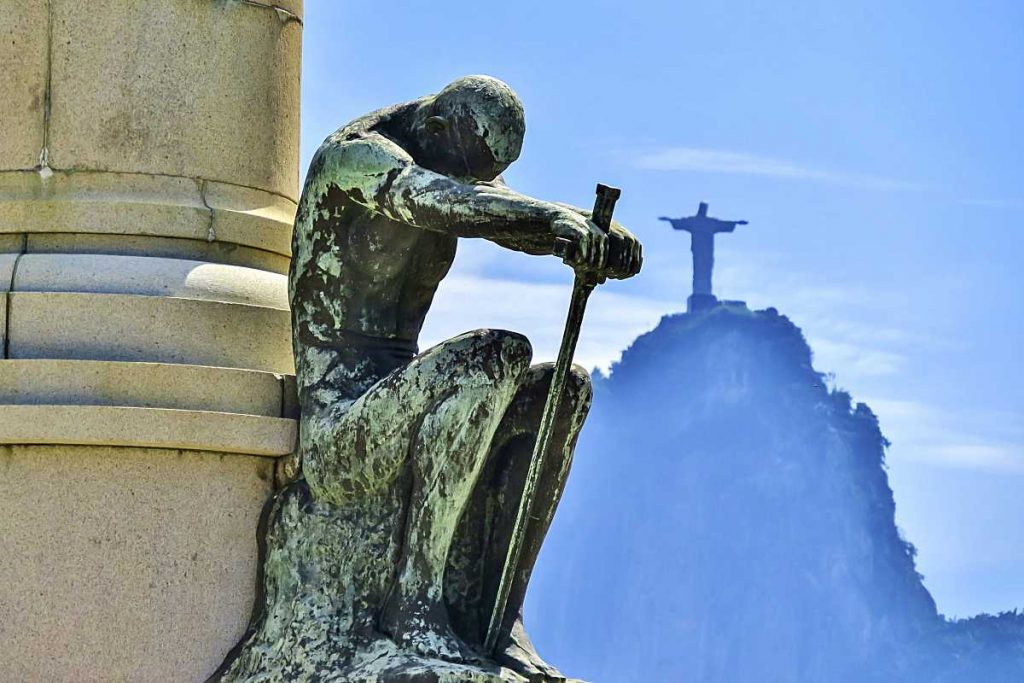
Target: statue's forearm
[[495, 213], [575, 209]]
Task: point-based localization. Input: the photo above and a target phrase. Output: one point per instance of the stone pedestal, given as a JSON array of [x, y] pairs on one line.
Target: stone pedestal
[[148, 180], [700, 302]]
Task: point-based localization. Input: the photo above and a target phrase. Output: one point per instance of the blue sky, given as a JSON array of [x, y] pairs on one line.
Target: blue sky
[[876, 149]]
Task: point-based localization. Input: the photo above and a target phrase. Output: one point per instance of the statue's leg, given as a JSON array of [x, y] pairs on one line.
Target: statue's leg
[[454, 394], [478, 554]]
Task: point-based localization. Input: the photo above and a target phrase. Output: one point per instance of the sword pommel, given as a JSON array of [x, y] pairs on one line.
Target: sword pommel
[[604, 205]]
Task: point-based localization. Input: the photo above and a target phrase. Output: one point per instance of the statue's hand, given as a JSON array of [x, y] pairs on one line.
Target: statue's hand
[[589, 244], [625, 253]]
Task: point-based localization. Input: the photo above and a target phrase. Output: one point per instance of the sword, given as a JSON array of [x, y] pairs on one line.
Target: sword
[[584, 283]]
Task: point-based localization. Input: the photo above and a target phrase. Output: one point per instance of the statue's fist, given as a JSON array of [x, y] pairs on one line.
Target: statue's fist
[[580, 242], [625, 253]]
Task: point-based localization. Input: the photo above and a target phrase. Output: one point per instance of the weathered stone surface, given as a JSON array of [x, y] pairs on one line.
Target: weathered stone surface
[[292, 6], [250, 217], [100, 202], [101, 425], [148, 328], [124, 564], [142, 133], [144, 385], [132, 245], [171, 148], [12, 244], [189, 88], [138, 204], [151, 276], [7, 262], [23, 56]]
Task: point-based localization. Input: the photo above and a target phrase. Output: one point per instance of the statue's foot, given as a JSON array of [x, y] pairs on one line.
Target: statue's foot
[[426, 632], [516, 652]]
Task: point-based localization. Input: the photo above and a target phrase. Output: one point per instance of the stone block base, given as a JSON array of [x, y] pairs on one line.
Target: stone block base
[[700, 302], [125, 564]]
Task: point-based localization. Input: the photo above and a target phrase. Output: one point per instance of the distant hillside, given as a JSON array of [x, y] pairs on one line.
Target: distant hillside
[[729, 520]]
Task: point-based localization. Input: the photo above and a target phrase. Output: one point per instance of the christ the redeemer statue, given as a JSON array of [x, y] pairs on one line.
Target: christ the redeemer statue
[[702, 229]]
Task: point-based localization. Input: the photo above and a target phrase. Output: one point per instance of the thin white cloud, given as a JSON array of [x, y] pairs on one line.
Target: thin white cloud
[[961, 440], [839, 320], [471, 301], [901, 409], [1005, 458], [855, 358], [703, 160]]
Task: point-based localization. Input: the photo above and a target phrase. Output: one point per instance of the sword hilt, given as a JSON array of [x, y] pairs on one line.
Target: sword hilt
[[601, 216], [604, 205]]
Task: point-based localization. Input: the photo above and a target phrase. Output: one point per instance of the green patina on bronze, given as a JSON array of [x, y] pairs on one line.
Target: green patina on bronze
[[381, 560]]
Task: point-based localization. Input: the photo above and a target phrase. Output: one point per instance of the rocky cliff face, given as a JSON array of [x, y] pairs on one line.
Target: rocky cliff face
[[729, 519]]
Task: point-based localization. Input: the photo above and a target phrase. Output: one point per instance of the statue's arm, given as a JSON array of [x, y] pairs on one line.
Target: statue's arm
[[728, 226], [676, 223], [378, 174]]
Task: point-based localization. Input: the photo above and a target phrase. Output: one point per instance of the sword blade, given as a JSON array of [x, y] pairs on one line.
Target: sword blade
[[582, 287]]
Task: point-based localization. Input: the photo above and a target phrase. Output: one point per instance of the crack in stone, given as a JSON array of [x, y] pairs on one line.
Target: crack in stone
[[283, 14], [44, 154], [7, 296], [211, 234]]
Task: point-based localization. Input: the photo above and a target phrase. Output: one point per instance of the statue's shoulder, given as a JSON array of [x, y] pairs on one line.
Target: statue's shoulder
[[368, 131], [357, 160], [358, 151]]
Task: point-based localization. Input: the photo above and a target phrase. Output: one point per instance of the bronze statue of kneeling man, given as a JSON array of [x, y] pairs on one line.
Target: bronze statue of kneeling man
[[380, 560]]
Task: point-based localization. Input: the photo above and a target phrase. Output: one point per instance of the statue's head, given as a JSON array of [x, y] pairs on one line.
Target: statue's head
[[472, 130]]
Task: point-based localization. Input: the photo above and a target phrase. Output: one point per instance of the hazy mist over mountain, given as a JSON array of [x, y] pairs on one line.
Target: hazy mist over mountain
[[729, 520]]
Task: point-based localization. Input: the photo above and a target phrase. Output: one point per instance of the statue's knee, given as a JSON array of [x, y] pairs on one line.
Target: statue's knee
[[578, 385], [502, 356], [514, 353]]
